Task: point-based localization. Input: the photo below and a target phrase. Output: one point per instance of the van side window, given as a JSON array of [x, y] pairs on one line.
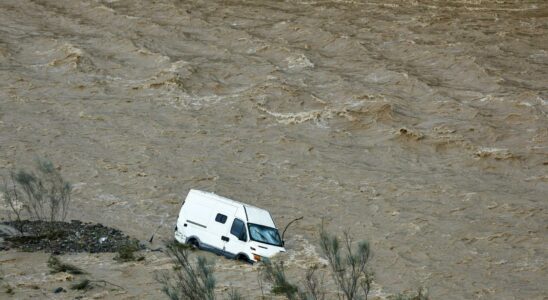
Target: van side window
[[220, 218], [238, 230]]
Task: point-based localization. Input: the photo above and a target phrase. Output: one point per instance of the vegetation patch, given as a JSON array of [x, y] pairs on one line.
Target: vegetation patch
[[127, 251], [274, 272], [190, 279], [348, 264], [57, 266], [421, 294], [41, 194], [84, 284], [39, 201]]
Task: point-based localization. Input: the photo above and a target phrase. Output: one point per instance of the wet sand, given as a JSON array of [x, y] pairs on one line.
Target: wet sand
[[420, 126]]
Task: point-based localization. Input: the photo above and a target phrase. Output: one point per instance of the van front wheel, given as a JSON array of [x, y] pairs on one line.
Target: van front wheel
[[194, 243], [242, 258]]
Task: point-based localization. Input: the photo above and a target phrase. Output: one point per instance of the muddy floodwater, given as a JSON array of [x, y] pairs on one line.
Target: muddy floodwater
[[420, 126]]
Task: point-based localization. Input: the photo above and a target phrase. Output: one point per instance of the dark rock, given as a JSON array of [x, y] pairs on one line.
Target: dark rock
[[59, 290]]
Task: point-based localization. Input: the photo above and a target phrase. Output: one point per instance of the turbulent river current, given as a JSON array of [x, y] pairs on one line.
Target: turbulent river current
[[420, 126]]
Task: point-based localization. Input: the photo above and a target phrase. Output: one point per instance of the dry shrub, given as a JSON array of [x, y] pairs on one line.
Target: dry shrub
[[420, 295], [84, 284], [349, 270], [349, 267], [187, 280], [56, 266], [274, 272], [42, 195], [127, 251]]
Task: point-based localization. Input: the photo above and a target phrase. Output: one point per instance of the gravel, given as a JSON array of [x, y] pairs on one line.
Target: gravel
[[66, 237]]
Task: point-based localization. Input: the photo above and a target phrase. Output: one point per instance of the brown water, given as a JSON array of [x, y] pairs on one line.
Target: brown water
[[421, 126]]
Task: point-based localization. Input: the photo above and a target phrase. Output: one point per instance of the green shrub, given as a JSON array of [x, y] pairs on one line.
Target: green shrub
[[314, 289], [187, 280], [127, 251], [420, 295], [56, 266], [348, 265], [233, 294], [84, 284], [350, 270], [274, 272], [8, 289]]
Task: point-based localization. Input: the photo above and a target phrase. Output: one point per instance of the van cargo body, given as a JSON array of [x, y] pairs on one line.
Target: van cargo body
[[233, 229]]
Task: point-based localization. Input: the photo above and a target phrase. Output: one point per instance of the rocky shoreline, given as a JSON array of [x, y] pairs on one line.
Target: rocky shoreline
[[63, 237]]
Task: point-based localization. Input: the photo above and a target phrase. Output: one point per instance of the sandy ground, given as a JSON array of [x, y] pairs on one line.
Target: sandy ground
[[420, 126]]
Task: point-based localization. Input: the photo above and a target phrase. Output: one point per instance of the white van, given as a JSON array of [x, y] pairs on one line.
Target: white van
[[227, 227]]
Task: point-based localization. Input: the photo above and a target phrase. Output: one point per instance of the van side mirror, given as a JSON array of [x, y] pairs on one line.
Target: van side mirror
[[283, 243]]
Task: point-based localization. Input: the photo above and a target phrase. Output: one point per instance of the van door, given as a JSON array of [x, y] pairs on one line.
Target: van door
[[238, 238], [220, 224]]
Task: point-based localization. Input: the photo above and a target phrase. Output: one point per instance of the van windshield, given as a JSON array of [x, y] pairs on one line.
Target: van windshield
[[263, 234]]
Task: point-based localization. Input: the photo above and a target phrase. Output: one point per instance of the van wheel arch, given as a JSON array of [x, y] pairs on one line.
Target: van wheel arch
[[242, 257], [194, 242]]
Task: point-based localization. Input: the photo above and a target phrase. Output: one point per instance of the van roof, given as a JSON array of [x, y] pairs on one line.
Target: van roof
[[254, 214]]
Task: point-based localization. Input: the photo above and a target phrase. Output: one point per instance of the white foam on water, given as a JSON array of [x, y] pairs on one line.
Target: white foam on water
[[103, 7], [174, 67], [298, 117], [299, 61], [303, 255], [497, 153]]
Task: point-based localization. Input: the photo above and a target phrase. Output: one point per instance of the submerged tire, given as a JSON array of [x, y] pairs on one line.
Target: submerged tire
[[194, 243], [243, 258]]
